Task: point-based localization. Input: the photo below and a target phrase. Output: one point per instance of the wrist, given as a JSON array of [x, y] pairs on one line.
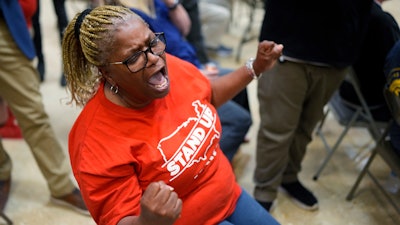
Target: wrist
[[173, 5], [250, 69]]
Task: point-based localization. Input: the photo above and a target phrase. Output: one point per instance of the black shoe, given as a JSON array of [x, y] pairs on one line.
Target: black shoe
[[73, 201], [266, 205], [300, 195]]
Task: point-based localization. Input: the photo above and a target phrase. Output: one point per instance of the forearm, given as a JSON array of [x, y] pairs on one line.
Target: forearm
[[129, 220], [226, 87], [181, 19], [136, 220]]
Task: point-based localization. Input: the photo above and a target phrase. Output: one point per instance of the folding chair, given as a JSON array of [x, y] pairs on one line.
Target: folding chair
[[385, 150], [349, 115]]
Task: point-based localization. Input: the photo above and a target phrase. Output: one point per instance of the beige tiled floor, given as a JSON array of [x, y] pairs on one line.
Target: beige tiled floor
[[29, 200]]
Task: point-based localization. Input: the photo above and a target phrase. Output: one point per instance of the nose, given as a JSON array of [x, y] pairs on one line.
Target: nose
[[151, 58]]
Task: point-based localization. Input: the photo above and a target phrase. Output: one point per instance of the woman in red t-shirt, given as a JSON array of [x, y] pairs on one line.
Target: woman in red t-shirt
[[145, 148]]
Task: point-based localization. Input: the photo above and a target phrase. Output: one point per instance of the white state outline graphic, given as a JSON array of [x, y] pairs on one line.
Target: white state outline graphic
[[197, 105]]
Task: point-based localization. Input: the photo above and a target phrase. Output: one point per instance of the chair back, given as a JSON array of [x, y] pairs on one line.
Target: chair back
[[350, 115]]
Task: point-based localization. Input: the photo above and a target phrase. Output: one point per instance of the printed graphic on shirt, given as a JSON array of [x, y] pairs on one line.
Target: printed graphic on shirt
[[198, 145]]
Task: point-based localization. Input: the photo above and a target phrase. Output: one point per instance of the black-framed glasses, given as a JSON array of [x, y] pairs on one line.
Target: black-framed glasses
[[138, 60]]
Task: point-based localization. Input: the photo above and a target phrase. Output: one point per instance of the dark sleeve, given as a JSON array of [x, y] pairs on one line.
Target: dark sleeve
[[392, 63], [195, 36]]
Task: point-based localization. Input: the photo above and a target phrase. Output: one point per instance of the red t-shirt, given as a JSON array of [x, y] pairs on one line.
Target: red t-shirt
[[116, 152]]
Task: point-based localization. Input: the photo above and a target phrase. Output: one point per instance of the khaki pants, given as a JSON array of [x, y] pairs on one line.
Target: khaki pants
[[19, 87], [3, 112], [292, 97]]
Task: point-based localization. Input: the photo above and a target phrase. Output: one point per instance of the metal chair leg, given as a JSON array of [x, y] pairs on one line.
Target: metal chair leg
[[8, 221], [350, 195], [333, 149]]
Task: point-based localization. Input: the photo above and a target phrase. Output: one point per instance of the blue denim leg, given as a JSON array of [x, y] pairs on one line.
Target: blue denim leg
[[235, 121], [224, 71], [225, 223], [248, 211], [241, 98]]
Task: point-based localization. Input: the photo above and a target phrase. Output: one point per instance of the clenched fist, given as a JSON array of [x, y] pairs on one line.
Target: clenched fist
[[160, 205]]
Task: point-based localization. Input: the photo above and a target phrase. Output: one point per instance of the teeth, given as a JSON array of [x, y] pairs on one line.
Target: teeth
[[161, 85]]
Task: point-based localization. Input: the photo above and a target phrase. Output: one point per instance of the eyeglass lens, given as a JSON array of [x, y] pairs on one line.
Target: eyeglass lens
[[138, 61]]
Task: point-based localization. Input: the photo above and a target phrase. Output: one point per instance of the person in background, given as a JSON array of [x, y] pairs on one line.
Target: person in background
[[145, 147], [322, 40], [10, 128], [215, 16], [4, 189], [382, 33], [392, 74], [392, 90], [3, 112], [195, 35], [20, 89], [196, 38], [62, 21]]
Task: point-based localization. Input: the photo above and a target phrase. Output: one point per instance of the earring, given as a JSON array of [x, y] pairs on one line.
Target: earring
[[114, 89]]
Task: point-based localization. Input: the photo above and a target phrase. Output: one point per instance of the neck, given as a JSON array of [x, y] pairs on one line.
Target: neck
[[119, 99]]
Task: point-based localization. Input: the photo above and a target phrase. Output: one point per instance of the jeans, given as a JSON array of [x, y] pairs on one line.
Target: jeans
[[236, 122], [235, 119], [248, 211]]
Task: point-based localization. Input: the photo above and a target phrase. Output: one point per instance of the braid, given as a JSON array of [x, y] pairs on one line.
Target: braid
[[83, 56]]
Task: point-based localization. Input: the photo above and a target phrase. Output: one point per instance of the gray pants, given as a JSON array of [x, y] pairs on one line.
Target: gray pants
[[292, 97], [215, 22]]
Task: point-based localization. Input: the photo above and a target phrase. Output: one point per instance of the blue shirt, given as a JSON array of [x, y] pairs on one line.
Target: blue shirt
[[13, 15], [176, 43]]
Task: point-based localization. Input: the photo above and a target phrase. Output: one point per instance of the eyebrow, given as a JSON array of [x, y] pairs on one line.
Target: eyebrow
[[147, 42], [135, 51]]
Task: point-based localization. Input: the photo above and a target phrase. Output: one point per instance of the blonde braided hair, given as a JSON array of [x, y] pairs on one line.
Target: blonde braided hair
[[83, 56]]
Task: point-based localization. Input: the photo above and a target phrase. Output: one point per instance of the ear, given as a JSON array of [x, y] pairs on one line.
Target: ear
[[106, 75]]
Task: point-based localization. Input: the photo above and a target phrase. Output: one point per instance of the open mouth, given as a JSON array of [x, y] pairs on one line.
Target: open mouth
[[159, 80]]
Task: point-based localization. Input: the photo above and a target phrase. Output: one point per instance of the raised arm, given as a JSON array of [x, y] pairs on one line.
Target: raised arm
[[226, 87]]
